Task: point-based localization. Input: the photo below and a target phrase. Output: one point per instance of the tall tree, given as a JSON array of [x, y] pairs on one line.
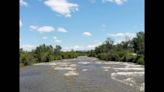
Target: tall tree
[[138, 43], [57, 49]]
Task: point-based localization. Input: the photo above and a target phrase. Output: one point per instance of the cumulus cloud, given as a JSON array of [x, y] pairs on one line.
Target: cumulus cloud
[[56, 40], [27, 47], [118, 40], [119, 37], [92, 46], [46, 29], [23, 3], [82, 47], [122, 34], [42, 29], [61, 29], [62, 7], [87, 34], [32, 27], [118, 2], [74, 47]]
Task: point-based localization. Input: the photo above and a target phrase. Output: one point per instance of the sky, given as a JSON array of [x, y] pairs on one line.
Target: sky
[[78, 24]]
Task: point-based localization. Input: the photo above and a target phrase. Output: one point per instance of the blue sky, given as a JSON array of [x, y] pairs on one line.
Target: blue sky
[[78, 24]]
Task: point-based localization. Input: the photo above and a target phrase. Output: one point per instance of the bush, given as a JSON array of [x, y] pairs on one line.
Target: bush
[[67, 55], [114, 56], [104, 56], [126, 56], [91, 54], [27, 59], [58, 57], [140, 60], [45, 53], [44, 57], [51, 57], [129, 57]]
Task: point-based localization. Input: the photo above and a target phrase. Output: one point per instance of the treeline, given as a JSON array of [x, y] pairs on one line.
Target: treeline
[[131, 50], [45, 53]]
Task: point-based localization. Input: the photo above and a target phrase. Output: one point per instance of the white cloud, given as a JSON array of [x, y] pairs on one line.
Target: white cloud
[[87, 34], [23, 3], [118, 2], [92, 46], [32, 27], [82, 47], [76, 47], [56, 40], [20, 23], [117, 41], [46, 29], [44, 37], [122, 34], [66, 49], [61, 29], [119, 37], [42, 28], [27, 47], [62, 7]]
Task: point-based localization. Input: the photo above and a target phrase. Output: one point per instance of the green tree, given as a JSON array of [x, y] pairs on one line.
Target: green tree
[[138, 43], [43, 52], [57, 49]]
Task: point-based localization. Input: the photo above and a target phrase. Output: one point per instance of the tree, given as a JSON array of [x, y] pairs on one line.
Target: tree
[[57, 49], [138, 43], [43, 52], [123, 51], [109, 43]]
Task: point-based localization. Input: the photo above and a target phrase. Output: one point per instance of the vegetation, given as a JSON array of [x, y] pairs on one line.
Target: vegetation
[[45, 53], [131, 50]]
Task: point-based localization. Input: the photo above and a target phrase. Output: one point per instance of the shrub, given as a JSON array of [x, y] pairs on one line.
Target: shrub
[[126, 56], [51, 57], [44, 57], [92, 54], [58, 57], [104, 56], [140, 60], [129, 57], [114, 56], [26, 59]]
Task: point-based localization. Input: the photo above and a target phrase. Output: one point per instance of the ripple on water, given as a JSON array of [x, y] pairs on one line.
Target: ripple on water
[[130, 78], [84, 69], [71, 73]]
